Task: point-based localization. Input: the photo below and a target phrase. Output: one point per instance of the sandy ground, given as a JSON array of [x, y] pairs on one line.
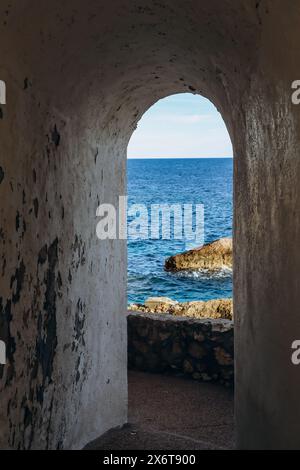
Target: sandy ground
[[173, 413]]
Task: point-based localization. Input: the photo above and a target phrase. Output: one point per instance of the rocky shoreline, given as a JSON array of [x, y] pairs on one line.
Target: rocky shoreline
[[216, 309], [212, 256]]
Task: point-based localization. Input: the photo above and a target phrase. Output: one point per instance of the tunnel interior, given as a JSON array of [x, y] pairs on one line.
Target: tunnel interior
[[79, 76]]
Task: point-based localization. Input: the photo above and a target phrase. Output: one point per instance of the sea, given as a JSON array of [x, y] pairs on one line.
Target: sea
[[206, 181]]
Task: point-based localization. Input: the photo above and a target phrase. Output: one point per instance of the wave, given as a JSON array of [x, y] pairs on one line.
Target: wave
[[221, 273]]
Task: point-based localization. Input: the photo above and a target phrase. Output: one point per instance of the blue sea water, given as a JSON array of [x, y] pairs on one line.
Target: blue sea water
[[173, 181]]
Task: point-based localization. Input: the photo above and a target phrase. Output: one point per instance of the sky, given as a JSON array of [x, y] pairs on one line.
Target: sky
[[183, 125]]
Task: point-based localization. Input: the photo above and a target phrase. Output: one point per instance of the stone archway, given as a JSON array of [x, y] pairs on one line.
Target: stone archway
[[79, 75]]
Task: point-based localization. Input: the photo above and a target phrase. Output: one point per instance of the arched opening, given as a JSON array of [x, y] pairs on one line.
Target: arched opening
[[89, 72], [179, 156]]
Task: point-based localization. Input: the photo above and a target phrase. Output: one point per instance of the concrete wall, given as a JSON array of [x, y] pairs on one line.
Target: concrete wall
[[267, 227], [79, 76]]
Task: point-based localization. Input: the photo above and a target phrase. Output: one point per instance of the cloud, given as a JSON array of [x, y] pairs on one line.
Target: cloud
[[210, 143]]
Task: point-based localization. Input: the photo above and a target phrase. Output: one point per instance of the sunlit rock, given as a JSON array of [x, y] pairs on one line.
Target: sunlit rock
[[215, 255], [159, 302], [216, 308]]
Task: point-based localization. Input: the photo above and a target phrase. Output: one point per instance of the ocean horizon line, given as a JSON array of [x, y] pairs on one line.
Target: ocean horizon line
[[179, 158]]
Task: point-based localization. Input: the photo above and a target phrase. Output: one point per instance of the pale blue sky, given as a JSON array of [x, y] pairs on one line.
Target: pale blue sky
[[182, 125]]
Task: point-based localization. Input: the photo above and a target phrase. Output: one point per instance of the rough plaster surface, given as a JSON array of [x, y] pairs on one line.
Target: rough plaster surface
[[79, 75]]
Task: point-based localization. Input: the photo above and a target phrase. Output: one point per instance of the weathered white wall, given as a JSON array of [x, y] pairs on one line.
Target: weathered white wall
[[79, 75], [267, 228]]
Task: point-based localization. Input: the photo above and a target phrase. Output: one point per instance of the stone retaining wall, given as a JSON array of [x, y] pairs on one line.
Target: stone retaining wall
[[199, 348]]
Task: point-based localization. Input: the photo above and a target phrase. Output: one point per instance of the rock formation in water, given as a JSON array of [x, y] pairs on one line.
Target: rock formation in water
[[217, 308], [212, 256]]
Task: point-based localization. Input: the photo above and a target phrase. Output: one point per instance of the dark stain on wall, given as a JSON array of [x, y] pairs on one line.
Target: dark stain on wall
[[26, 83], [79, 325], [55, 136], [17, 281], [5, 335], [77, 377], [1, 174], [16, 285], [42, 256], [47, 345], [36, 207], [47, 325], [17, 221], [96, 155], [78, 250]]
